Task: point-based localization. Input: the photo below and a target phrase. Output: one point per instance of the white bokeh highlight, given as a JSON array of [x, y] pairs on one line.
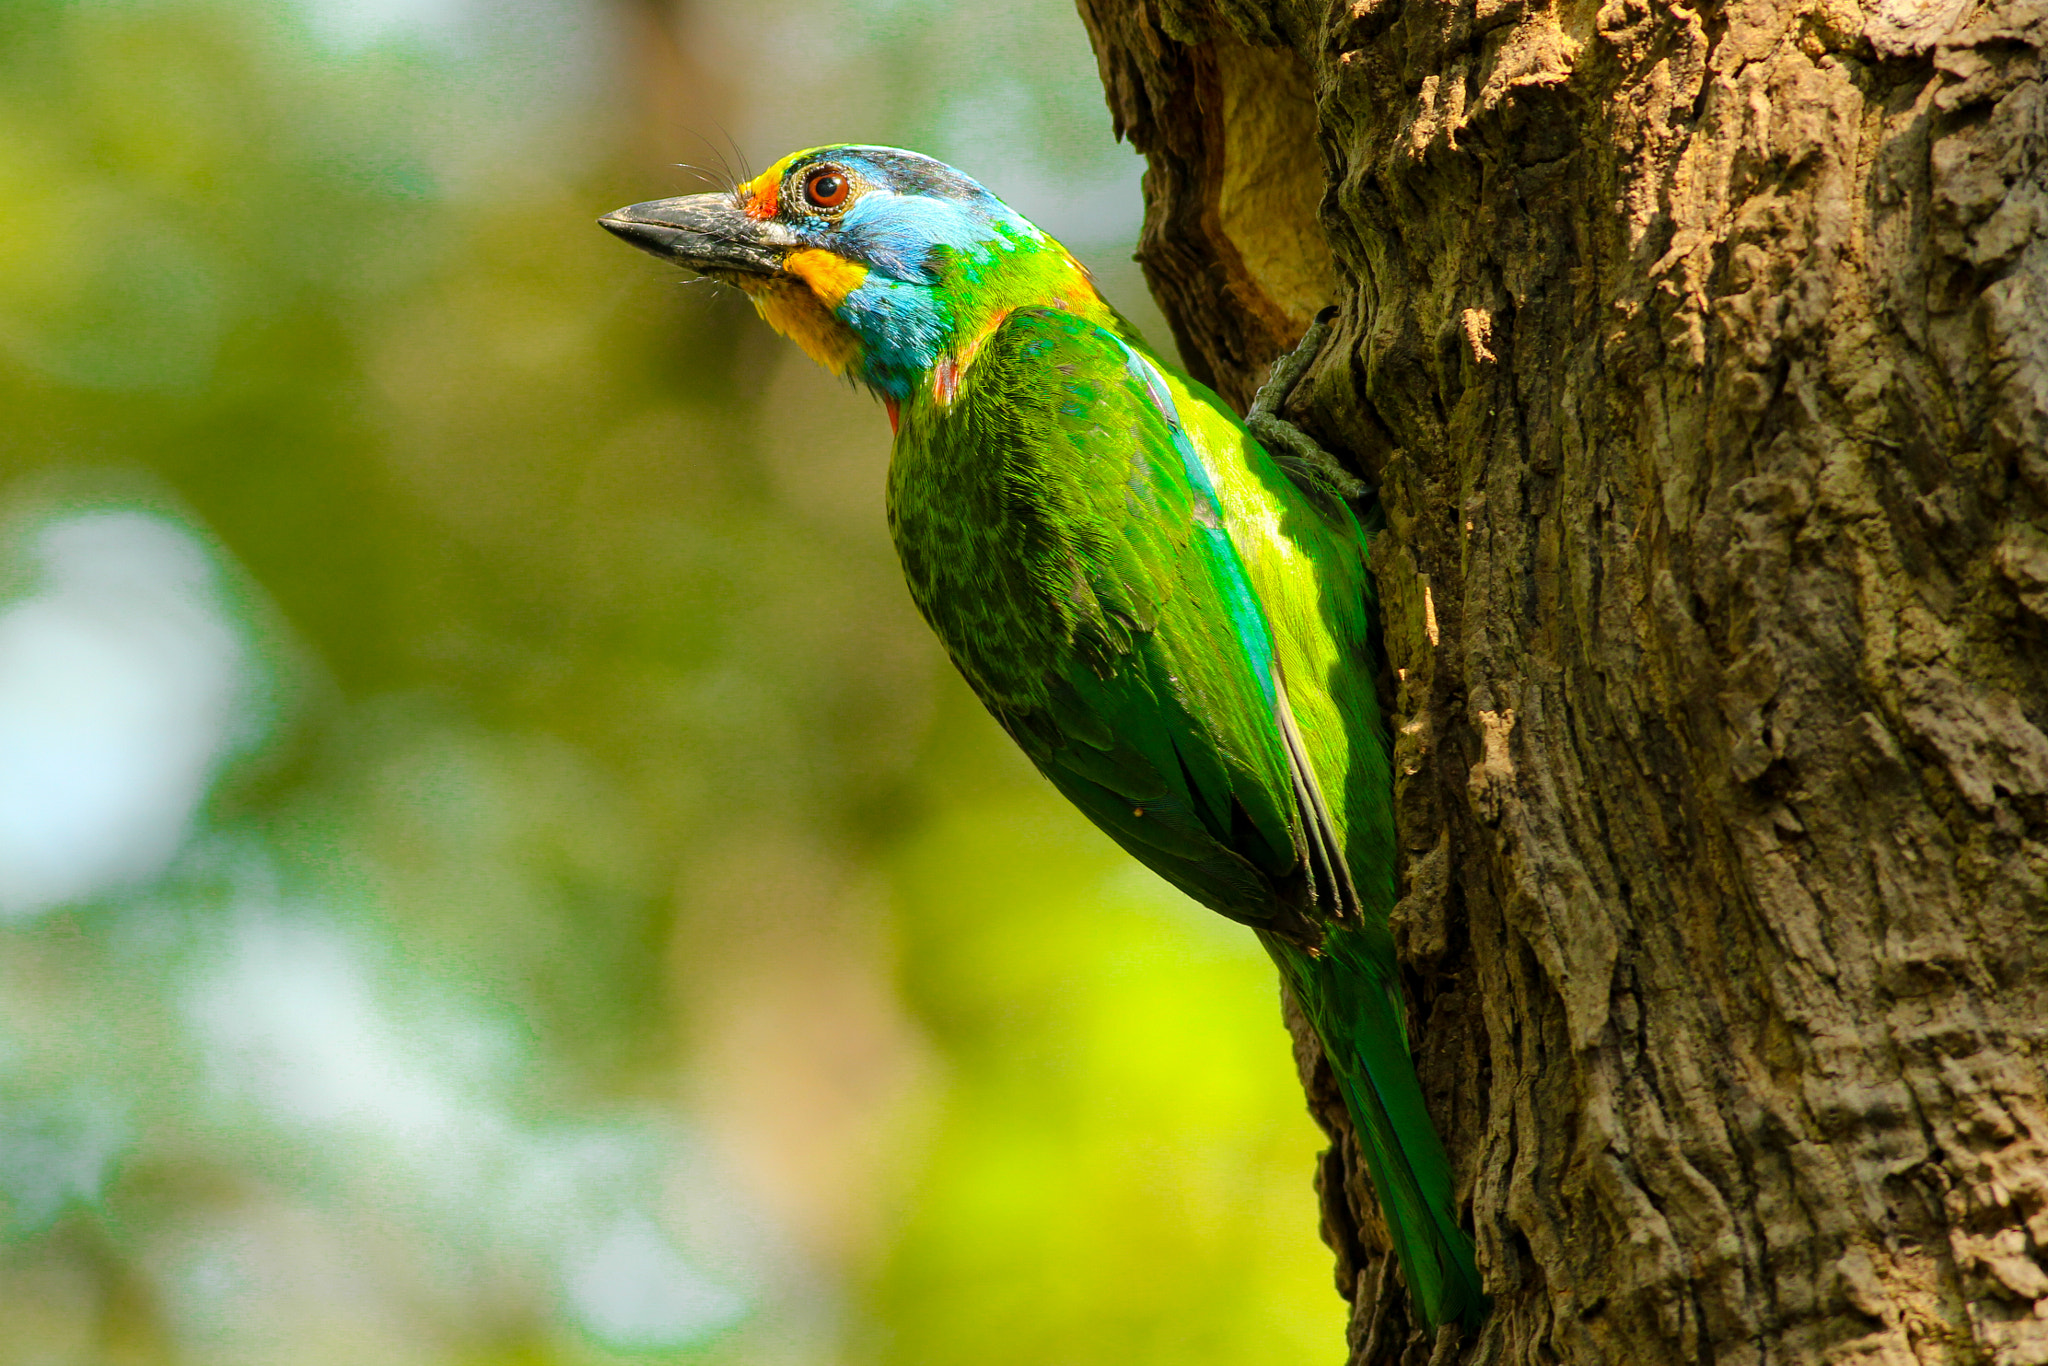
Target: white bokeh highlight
[[296, 1020], [122, 678]]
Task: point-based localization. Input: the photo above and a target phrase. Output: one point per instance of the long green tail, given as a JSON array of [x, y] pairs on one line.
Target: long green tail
[[1352, 997]]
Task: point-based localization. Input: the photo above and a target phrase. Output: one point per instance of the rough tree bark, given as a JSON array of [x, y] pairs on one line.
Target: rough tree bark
[[1701, 355]]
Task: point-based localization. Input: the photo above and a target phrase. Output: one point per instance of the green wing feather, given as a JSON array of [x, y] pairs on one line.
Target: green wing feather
[[1075, 593], [1177, 636]]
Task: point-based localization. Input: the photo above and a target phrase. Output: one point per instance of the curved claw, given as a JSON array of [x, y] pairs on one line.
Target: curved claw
[[1305, 461], [1288, 370]]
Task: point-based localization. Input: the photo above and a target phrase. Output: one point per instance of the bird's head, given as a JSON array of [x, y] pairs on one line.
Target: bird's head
[[882, 264]]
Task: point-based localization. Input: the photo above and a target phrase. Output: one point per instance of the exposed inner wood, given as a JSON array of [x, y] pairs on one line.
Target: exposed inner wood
[[1267, 190]]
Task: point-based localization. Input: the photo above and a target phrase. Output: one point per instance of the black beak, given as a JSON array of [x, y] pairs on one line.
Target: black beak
[[706, 232]]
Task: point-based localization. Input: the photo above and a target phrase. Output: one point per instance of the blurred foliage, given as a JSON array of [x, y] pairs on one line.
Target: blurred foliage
[[493, 869]]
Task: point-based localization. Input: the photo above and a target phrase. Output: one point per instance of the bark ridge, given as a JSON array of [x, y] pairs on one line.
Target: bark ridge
[[1701, 355]]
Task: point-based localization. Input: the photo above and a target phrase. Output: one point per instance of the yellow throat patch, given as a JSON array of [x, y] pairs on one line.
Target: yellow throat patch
[[801, 308]]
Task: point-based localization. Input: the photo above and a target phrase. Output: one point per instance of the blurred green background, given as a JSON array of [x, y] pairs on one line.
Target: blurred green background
[[492, 870]]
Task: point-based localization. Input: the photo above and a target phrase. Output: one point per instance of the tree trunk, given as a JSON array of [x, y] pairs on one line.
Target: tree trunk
[[1701, 357]]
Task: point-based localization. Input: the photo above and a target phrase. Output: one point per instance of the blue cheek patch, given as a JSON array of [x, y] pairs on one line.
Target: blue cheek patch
[[897, 234]]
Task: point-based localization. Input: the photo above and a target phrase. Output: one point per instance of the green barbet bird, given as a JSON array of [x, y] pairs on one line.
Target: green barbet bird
[[1174, 630]]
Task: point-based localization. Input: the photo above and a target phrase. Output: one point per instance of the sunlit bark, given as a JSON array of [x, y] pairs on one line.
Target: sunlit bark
[[1702, 358]]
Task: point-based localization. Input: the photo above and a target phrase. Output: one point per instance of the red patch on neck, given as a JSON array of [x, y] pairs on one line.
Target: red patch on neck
[[947, 371], [891, 405]]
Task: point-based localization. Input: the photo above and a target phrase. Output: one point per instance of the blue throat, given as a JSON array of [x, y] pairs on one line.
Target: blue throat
[[904, 329]]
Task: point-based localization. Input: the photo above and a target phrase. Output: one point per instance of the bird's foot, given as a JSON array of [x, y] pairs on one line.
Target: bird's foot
[[1308, 464]]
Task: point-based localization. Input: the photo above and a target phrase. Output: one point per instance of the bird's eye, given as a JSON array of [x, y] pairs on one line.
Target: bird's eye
[[825, 189]]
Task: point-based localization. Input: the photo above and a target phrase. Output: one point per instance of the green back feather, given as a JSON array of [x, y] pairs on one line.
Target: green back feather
[[1179, 638]]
